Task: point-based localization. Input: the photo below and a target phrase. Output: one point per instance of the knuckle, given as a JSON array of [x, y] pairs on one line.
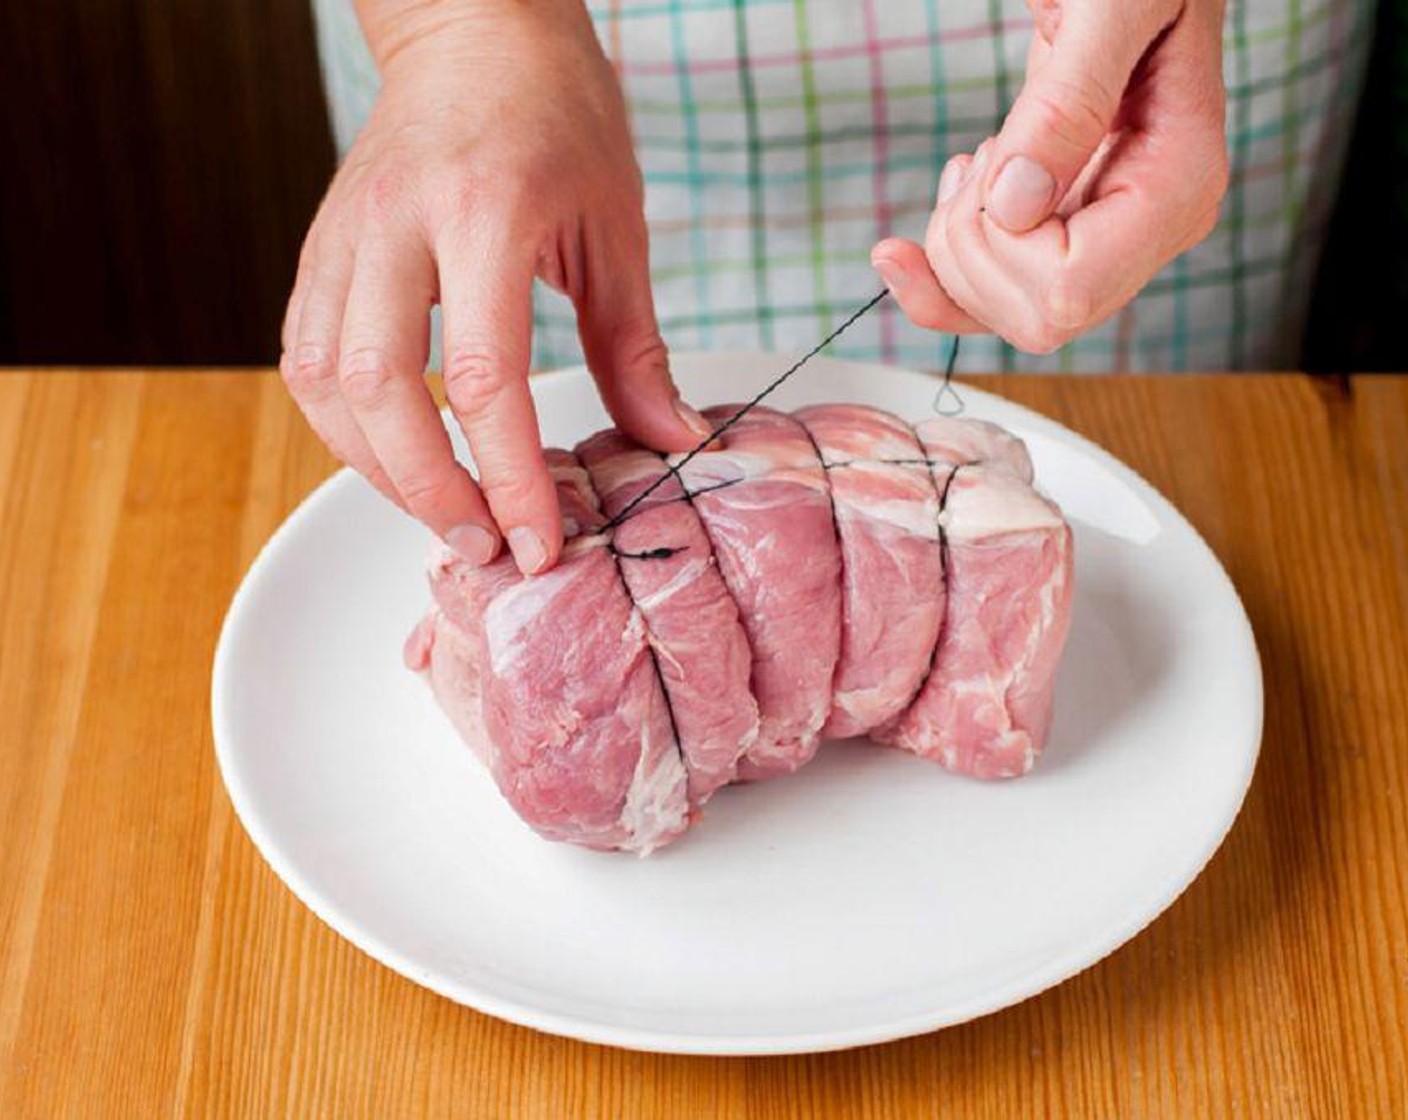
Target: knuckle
[[377, 476], [511, 490], [1039, 337], [428, 493], [309, 371], [640, 349], [365, 376], [384, 196], [456, 193], [471, 202], [948, 236], [474, 381], [1069, 305], [1076, 114]]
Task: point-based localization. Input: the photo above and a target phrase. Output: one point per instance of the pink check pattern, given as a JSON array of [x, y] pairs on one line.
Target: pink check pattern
[[780, 139]]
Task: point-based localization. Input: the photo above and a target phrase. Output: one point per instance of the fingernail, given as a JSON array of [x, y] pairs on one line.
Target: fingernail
[[529, 552], [891, 273], [473, 543], [1021, 196], [950, 180], [693, 420]]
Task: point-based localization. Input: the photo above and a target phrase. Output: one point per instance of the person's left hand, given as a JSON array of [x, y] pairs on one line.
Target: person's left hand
[[1111, 163]]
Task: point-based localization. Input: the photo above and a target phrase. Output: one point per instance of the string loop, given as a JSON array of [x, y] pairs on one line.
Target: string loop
[[955, 405]]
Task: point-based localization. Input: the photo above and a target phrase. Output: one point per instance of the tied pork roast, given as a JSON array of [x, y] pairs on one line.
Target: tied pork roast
[[830, 573]]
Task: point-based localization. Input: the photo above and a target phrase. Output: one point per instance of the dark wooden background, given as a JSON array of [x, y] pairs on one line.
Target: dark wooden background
[[159, 160]]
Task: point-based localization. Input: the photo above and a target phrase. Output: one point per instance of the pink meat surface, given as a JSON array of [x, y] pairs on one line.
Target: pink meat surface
[[551, 680], [765, 504], [892, 580], [692, 624], [834, 573], [951, 440], [986, 706]]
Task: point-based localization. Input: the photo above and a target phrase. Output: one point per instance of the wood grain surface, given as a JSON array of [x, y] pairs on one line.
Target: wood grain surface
[[151, 965]]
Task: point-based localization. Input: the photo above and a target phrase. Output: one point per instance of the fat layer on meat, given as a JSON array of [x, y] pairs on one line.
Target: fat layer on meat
[[892, 581], [691, 621], [765, 504], [831, 573], [985, 707], [565, 704]]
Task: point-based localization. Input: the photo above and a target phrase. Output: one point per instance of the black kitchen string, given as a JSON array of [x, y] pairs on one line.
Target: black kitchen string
[[664, 553], [649, 554], [955, 408], [767, 391]]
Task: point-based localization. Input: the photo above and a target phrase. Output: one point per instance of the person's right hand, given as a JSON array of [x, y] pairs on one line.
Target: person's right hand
[[498, 151], [1112, 162]]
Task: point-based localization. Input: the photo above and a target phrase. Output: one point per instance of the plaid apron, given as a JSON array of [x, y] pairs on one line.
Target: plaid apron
[[780, 139]]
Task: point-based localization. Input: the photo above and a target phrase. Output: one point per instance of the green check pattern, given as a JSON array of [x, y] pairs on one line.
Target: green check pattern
[[780, 139]]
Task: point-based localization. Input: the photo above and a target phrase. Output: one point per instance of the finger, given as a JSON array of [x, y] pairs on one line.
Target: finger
[[1086, 185], [955, 173], [622, 343], [906, 272], [1066, 108], [308, 365], [486, 302], [963, 260], [314, 389], [958, 187], [1152, 194], [1081, 271], [311, 255], [384, 345], [288, 331]]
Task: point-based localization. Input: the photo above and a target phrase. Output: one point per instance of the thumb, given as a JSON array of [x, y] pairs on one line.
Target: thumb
[[1065, 110]]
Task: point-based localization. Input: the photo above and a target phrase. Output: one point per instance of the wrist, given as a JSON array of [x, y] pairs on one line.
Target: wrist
[[394, 28]]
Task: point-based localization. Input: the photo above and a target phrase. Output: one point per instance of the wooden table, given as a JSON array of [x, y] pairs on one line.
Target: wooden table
[[152, 965]]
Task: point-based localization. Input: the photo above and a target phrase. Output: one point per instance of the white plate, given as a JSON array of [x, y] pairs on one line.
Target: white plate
[[870, 896]]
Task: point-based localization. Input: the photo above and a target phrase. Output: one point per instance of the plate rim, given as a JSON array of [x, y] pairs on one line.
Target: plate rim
[[1015, 989]]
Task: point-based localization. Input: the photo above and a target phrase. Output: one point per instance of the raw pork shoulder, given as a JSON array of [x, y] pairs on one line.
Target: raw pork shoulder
[[892, 584], [569, 718], [985, 707], [691, 620], [835, 572], [765, 504]]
